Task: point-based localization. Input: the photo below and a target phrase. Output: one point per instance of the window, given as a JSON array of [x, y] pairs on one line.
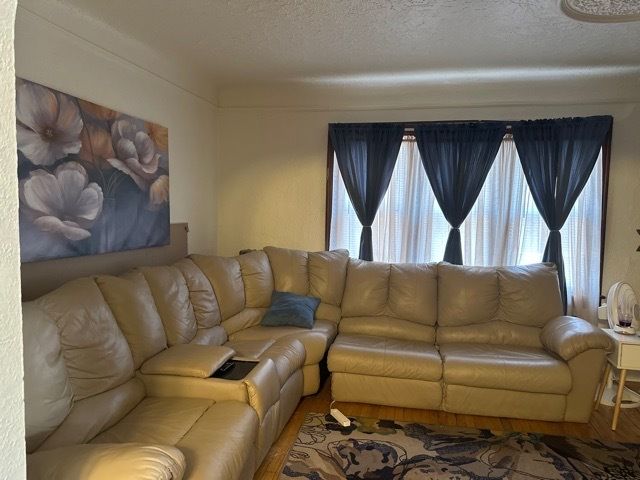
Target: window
[[503, 228]]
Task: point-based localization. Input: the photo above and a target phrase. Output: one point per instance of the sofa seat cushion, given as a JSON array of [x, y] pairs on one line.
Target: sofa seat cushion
[[385, 357], [217, 439], [523, 369], [287, 353], [222, 443], [159, 420], [315, 341]]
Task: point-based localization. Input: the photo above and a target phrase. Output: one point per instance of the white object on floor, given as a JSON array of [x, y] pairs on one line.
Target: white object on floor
[[340, 417], [625, 357], [630, 399]]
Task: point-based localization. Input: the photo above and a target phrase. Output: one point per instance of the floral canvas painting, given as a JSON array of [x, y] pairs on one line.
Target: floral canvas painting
[[92, 180]]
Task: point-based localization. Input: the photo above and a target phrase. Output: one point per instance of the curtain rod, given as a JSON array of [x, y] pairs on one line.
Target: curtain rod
[[454, 122], [429, 122], [412, 126]]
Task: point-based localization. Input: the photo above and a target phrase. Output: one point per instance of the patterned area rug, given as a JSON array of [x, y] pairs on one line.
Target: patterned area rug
[[387, 450]]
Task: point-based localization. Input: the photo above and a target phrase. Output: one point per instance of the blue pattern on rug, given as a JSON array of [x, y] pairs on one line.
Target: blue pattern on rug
[[388, 450]]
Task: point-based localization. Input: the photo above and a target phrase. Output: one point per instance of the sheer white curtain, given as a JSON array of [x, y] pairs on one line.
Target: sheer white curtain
[[409, 226], [503, 228]]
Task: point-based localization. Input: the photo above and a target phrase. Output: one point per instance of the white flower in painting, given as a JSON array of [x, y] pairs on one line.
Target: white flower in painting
[[159, 192], [64, 202], [135, 152], [48, 126]]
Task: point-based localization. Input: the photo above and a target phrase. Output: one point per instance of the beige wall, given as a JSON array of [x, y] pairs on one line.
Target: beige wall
[[273, 160], [11, 390], [120, 77]]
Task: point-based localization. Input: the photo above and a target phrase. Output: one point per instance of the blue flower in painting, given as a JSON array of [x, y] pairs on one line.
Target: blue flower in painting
[[64, 203], [48, 126]]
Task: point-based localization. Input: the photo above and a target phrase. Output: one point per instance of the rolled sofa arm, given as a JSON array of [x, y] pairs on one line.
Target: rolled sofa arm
[[107, 461], [570, 336]]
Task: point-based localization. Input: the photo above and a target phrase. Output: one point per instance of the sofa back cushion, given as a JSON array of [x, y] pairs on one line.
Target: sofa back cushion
[[366, 289], [171, 295], [496, 305], [257, 278], [201, 294], [133, 307], [290, 269], [466, 295], [225, 276], [319, 274], [394, 300], [47, 390], [93, 415], [204, 303], [327, 275], [94, 348], [529, 294]]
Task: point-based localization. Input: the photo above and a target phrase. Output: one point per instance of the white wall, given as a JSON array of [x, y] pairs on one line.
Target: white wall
[[273, 166], [121, 78], [11, 391]]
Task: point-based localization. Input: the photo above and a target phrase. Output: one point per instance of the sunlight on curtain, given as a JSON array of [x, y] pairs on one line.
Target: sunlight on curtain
[[503, 228], [409, 226]]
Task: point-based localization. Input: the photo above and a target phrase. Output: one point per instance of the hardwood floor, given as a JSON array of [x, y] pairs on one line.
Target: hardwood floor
[[599, 426]]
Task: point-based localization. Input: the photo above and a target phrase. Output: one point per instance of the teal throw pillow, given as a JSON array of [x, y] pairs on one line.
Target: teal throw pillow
[[289, 309]]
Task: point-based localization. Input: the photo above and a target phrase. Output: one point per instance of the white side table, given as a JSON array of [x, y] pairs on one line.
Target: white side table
[[625, 356]]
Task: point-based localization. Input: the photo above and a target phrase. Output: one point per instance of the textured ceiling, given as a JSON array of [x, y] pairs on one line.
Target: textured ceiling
[[599, 11], [262, 41]]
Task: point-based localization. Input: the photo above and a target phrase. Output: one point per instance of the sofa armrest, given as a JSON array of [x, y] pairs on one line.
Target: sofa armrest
[[260, 388], [188, 360], [570, 336], [107, 461], [263, 387]]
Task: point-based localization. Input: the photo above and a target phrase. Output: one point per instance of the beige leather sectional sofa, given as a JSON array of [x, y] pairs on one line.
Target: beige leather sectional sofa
[[118, 370], [484, 341]]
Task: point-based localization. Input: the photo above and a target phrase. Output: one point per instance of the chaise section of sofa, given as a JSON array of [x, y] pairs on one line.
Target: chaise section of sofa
[[385, 352]]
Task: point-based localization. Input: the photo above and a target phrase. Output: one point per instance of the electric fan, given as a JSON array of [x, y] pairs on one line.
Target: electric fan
[[622, 307]]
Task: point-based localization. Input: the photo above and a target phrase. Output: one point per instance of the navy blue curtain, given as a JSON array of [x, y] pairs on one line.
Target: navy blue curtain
[[557, 157], [457, 158], [366, 155]]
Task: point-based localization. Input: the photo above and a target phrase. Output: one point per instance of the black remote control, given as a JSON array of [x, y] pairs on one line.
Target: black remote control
[[226, 366]]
